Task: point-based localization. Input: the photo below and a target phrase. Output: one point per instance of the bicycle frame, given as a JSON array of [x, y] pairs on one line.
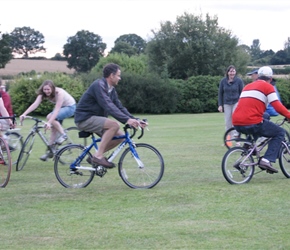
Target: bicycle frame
[[74, 166]]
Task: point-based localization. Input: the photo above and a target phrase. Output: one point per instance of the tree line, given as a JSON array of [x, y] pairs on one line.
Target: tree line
[[192, 45]]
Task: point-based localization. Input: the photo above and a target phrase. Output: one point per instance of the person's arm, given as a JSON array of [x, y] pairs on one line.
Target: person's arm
[[32, 107]]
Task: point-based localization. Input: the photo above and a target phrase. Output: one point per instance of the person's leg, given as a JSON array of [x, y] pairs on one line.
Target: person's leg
[[228, 111], [269, 129]]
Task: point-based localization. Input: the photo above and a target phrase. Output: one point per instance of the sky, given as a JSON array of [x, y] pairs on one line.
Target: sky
[[57, 20]]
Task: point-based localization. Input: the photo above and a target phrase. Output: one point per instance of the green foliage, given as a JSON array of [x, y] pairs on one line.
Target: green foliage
[[26, 40], [198, 94], [23, 91], [83, 50], [147, 94], [5, 50], [192, 46], [135, 42], [283, 86]]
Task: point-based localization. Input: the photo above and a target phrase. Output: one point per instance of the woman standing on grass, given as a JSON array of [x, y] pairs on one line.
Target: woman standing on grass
[[230, 89], [65, 106]]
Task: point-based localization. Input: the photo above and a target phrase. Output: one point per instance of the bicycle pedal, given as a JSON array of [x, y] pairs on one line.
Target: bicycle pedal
[[101, 171]]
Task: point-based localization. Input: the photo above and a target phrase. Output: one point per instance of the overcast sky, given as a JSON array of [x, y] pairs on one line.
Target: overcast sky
[[266, 20]]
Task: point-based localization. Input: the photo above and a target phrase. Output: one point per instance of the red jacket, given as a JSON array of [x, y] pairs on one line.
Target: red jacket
[[7, 102]]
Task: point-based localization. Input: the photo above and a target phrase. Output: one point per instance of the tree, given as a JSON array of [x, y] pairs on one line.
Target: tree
[[192, 46], [26, 41], [124, 48], [84, 50], [5, 50], [135, 42], [256, 50]]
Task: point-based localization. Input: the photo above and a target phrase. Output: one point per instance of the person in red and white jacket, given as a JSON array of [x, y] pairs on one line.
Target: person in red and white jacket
[[248, 116]]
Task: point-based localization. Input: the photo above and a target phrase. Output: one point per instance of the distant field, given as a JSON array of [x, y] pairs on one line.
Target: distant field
[[16, 66]]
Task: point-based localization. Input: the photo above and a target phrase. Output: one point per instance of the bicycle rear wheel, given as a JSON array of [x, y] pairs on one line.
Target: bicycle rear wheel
[[232, 138], [134, 174], [284, 160], [5, 163], [235, 166], [25, 152], [15, 142], [62, 162]]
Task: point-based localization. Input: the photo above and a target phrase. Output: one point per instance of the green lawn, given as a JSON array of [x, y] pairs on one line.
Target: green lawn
[[193, 207]]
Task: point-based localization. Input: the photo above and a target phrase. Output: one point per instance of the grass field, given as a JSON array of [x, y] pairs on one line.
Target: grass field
[[193, 207]]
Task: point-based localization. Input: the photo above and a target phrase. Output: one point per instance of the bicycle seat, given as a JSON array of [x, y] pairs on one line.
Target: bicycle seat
[[84, 134]]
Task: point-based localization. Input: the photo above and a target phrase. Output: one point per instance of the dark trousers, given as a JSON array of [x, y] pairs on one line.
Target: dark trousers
[[266, 129]]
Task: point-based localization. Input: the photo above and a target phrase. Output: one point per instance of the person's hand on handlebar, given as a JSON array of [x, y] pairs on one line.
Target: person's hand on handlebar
[[22, 117]]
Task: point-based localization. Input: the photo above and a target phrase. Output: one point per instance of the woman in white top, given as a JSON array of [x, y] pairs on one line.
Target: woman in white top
[[65, 106]]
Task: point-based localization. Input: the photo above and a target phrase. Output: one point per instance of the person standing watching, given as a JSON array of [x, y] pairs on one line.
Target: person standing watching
[[99, 101], [230, 88], [248, 116]]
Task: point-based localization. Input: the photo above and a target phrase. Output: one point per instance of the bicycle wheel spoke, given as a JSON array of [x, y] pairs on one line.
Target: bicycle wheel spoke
[[144, 172], [237, 167], [65, 175]]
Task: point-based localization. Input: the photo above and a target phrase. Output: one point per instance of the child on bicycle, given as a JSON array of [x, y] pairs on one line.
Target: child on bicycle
[[65, 106]]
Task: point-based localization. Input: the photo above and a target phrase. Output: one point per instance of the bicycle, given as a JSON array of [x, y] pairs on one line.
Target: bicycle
[[233, 138], [238, 163], [140, 165], [5, 158], [15, 142], [39, 129]]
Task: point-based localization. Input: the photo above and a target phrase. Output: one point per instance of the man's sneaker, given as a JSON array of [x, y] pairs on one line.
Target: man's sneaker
[[45, 156], [61, 139], [266, 165], [103, 162]]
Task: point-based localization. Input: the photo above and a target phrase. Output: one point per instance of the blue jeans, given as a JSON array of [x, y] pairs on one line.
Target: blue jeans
[[266, 129], [65, 112]]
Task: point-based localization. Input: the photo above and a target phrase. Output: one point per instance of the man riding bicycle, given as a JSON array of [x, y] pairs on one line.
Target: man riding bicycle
[[248, 116]]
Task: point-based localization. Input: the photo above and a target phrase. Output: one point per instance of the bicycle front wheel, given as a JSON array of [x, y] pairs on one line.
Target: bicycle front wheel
[[237, 167], [5, 163], [25, 152], [142, 168], [15, 143], [284, 160], [72, 178]]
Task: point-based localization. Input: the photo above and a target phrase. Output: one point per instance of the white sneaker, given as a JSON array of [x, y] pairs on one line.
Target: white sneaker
[[61, 139]]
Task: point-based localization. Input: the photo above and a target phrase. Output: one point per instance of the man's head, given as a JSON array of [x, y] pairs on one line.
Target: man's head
[[112, 73], [265, 73], [253, 74]]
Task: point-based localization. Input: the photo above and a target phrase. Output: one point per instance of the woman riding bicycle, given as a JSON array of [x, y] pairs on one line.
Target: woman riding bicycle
[[65, 106]]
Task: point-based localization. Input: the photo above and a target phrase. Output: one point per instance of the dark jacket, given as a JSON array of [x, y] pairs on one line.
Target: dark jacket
[[97, 101], [229, 93]]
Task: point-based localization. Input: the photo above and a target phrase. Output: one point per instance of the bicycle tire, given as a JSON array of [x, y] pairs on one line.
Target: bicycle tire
[[284, 160], [72, 179], [5, 163], [232, 138], [15, 142], [232, 171], [138, 177], [25, 152]]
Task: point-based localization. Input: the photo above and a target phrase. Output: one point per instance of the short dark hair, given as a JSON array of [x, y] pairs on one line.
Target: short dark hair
[[110, 68]]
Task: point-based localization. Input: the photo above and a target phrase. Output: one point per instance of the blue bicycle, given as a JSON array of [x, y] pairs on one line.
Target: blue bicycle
[[140, 164]]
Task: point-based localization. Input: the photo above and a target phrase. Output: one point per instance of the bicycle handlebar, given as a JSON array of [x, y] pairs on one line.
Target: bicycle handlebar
[[127, 126], [32, 118], [9, 117]]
